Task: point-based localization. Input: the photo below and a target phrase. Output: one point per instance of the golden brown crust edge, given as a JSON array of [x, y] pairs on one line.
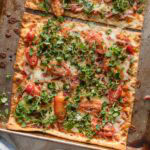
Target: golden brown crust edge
[[12, 125]]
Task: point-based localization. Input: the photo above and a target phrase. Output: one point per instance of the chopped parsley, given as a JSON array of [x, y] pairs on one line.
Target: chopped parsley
[[3, 99], [121, 5], [109, 114], [45, 5], [4, 112], [88, 6], [81, 122], [30, 110], [109, 31], [140, 10], [8, 77]]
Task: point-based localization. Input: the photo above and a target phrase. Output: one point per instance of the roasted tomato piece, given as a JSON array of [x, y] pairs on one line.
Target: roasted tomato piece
[[107, 131], [59, 106], [114, 95], [30, 36], [92, 107], [130, 49], [105, 134], [57, 8], [32, 60], [32, 89], [59, 69]]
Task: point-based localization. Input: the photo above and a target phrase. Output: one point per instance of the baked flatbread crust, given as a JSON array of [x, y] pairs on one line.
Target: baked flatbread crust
[[37, 21], [135, 23]]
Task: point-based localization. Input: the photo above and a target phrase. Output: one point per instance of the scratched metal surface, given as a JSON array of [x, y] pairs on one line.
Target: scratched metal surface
[[14, 9]]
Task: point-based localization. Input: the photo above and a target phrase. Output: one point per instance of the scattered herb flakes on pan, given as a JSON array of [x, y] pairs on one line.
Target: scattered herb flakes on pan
[[4, 112]]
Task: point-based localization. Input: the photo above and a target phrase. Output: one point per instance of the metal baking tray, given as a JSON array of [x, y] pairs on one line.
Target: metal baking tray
[[11, 12]]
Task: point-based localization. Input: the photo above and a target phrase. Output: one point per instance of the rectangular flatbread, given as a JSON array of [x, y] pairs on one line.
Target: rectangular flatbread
[[74, 80], [122, 13]]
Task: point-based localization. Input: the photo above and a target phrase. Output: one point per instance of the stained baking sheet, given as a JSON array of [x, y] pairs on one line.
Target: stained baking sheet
[[11, 12]]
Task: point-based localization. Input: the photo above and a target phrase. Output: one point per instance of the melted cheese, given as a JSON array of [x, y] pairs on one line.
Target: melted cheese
[[118, 123], [104, 99], [78, 117], [125, 66], [37, 75]]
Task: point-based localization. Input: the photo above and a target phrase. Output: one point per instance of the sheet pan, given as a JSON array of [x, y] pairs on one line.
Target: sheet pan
[[11, 12]]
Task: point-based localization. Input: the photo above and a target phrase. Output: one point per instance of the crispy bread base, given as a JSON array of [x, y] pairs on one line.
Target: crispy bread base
[[29, 20], [136, 23]]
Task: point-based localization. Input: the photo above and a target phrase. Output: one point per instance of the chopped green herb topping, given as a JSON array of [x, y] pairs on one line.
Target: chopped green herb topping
[[4, 112], [82, 71], [45, 5], [30, 110]]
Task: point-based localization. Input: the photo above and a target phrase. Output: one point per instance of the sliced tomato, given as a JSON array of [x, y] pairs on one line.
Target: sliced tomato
[[30, 36], [59, 106], [32, 89], [114, 95], [32, 60], [130, 49]]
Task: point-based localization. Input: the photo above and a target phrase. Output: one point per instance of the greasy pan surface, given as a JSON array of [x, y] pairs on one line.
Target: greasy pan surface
[[10, 22]]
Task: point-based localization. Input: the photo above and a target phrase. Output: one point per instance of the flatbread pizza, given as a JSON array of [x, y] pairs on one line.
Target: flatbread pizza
[[74, 80], [122, 13]]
